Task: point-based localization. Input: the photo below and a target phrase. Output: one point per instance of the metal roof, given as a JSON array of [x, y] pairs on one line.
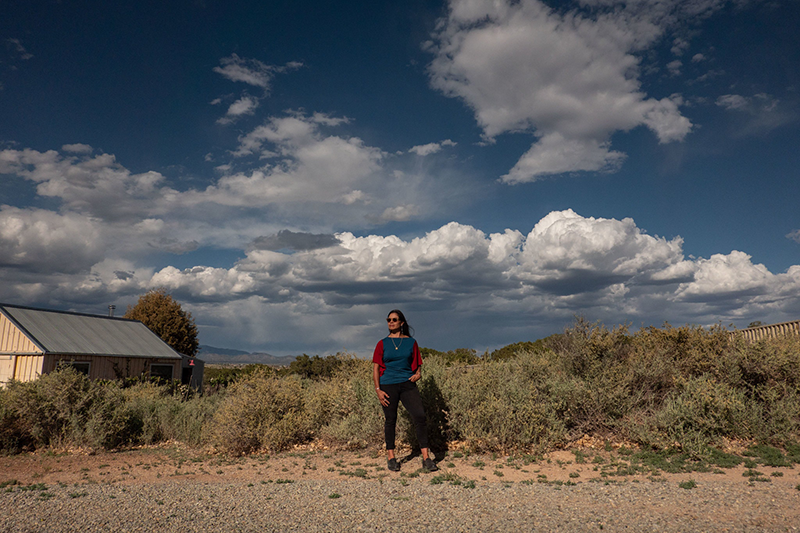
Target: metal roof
[[61, 332]]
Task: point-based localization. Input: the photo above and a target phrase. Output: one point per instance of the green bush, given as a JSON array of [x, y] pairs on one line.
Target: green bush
[[345, 410], [216, 377], [315, 367], [500, 405], [689, 388], [261, 412]]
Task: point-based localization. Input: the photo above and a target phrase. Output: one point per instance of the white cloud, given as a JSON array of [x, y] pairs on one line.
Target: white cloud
[[554, 154], [252, 71], [249, 71], [679, 46], [246, 105], [330, 289], [96, 186], [400, 213], [756, 114], [430, 148], [523, 67], [42, 241], [794, 235], [733, 101], [566, 265], [77, 148], [726, 276], [697, 58], [674, 67], [310, 166], [305, 175]]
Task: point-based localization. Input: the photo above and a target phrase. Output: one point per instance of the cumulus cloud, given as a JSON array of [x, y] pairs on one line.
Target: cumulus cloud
[[566, 264], [430, 148], [95, 186], [328, 288], [305, 165], [42, 241], [554, 154], [246, 105], [725, 277], [523, 67], [302, 173]]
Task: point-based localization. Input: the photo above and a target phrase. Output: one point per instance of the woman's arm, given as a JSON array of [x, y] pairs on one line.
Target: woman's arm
[[416, 364], [376, 379]]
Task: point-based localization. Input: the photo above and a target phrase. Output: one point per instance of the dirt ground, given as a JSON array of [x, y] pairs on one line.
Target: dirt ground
[[172, 462]]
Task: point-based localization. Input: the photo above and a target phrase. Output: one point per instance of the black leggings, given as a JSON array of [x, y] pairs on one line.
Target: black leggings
[[407, 393]]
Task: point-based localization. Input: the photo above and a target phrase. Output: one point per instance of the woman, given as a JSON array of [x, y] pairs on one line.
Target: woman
[[395, 372]]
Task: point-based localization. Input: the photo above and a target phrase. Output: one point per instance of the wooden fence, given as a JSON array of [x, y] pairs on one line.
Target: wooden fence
[[772, 330]]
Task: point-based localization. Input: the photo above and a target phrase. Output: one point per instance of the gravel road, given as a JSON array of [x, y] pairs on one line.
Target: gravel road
[[183, 490], [400, 505]]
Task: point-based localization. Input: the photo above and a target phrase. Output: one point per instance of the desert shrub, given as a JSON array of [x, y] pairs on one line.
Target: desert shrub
[[66, 409], [260, 412], [345, 410], [689, 388], [769, 362], [316, 367], [694, 350], [216, 377], [499, 406], [15, 431], [54, 406], [108, 422], [510, 351], [586, 348], [464, 356], [158, 415], [697, 414]]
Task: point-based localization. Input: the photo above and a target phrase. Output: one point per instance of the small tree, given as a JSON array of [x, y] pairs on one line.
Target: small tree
[[164, 316]]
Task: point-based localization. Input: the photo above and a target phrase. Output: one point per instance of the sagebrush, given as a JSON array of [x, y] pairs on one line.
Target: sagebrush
[[686, 388]]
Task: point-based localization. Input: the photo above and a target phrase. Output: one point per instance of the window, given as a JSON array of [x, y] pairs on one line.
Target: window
[[162, 371], [81, 367]]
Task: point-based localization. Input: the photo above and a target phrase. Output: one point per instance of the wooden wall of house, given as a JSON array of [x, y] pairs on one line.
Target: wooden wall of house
[[111, 367], [20, 367], [12, 340], [6, 368]]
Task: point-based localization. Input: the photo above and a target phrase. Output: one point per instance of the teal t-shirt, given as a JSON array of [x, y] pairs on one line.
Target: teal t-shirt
[[397, 356]]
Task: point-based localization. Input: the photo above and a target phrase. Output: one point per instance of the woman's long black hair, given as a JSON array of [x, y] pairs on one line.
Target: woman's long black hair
[[405, 329]]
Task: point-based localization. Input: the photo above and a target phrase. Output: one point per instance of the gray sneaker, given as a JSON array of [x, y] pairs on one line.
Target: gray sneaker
[[393, 465], [429, 465]]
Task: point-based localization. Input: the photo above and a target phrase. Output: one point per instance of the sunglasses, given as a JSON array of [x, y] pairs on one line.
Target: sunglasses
[[392, 320]]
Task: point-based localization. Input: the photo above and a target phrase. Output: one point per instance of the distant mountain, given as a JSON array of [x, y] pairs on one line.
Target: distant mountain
[[206, 349], [226, 356]]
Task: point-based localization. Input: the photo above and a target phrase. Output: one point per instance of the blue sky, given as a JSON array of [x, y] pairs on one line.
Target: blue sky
[[291, 171]]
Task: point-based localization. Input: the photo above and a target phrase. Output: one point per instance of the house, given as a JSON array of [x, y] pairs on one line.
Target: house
[[35, 341]]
